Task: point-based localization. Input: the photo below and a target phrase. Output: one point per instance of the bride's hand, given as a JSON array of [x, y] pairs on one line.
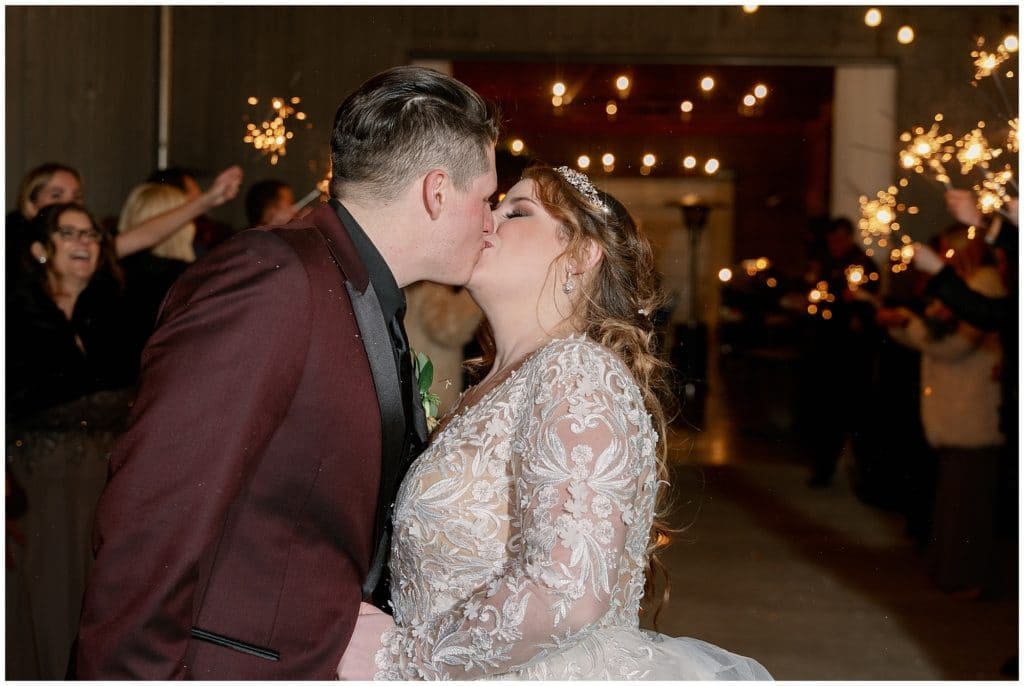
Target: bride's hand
[[357, 663]]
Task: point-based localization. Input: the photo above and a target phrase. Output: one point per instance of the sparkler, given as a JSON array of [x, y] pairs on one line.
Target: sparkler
[[878, 216], [927, 149], [1012, 143], [992, 191], [818, 300], [973, 150], [902, 257], [987, 63], [271, 136]]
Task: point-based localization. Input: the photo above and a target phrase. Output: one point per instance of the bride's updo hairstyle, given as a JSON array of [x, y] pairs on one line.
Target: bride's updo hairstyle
[[615, 303]]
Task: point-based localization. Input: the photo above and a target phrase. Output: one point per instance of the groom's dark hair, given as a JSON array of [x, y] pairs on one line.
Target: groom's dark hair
[[402, 123]]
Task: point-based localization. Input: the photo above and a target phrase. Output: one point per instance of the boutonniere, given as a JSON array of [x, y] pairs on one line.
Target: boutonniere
[[423, 369]]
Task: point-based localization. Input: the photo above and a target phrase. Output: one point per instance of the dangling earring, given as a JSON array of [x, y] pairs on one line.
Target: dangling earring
[[42, 260], [569, 286]]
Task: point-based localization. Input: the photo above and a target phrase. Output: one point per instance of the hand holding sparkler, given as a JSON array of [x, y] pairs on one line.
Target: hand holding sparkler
[[962, 205], [927, 260], [225, 187]]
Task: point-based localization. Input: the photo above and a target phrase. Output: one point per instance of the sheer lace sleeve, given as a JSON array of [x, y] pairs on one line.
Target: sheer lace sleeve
[[578, 473]]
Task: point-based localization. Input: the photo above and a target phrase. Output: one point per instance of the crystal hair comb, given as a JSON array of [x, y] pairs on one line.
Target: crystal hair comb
[[580, 182]]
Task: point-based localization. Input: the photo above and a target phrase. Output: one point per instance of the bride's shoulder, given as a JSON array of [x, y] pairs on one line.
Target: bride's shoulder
[[580, 353]]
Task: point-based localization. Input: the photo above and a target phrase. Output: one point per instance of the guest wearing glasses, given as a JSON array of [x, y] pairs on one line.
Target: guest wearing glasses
[[68, 380]]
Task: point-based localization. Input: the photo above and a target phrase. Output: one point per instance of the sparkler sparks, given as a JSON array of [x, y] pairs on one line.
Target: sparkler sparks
[[1012, 142], [927, 149], [270, 137], [878, 216], [973, 150], [987, 63], [992, 191]]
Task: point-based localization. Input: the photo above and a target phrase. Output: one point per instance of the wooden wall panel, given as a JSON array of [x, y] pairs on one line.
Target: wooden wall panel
[[81, 89]]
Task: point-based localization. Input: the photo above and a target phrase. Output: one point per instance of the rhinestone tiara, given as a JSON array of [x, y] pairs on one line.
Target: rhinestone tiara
[[580, 182]]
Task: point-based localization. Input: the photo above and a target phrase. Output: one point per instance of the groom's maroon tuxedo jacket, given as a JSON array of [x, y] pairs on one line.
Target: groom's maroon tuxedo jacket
[[238, 523]]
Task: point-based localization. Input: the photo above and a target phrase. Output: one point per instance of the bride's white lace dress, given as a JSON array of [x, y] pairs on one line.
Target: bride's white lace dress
[[521, 535]]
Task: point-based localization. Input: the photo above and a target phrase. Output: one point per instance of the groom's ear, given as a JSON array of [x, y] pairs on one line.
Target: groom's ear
[[436, 187]]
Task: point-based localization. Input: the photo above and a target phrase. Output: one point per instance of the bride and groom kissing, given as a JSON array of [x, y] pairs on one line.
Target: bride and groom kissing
[[277, 495]]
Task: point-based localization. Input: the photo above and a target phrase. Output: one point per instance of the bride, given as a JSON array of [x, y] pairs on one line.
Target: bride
[[522, 534]]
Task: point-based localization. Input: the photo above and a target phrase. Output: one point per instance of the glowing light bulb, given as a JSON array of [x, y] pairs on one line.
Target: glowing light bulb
[[622, 83], [873, 17], [1010, 43], [583, 162], [686, 106], [760, 90], [607, 159], [517, 146], [689, 161], [905, 35], [557, 100], [711, 166], [725, 275], [558, 88], [649, 160], [749, 100], [707, 84], [750, 9], [611, 108]]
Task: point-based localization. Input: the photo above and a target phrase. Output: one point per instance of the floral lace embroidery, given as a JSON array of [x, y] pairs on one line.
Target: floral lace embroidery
[[523, 529]]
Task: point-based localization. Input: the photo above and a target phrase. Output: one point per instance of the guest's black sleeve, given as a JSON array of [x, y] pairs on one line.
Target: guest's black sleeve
[[982, 311]]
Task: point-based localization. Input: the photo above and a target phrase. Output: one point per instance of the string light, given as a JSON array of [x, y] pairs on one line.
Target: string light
[[905, 35], [749, 100], [583, 162], [760, 91], [707, 84], [690, 162], [517, 146], [873, 17], [686, 106], [622, 83], [611, 108], [725, 275], [649, 160], [711, 166], [1011, 43], [558, 89]]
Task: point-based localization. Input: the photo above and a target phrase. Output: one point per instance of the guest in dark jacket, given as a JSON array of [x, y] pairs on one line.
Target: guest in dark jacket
[[68, 393]]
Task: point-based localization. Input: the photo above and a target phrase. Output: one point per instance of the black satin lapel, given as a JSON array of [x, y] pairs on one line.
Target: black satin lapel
[[379, 351]]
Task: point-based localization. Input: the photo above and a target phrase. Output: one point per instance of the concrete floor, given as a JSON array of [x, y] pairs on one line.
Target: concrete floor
[[815, 584]]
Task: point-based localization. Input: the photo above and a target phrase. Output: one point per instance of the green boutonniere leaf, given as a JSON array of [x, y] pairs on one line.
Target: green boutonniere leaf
[[424, 372]]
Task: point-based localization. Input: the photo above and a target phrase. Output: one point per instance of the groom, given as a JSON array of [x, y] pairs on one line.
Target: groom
[[246, 514]]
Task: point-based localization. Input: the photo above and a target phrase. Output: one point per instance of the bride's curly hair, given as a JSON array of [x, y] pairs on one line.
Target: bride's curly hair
[[615, 308]]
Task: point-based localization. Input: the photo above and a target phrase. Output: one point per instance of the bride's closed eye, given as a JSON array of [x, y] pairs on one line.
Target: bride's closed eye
[[513, 213]]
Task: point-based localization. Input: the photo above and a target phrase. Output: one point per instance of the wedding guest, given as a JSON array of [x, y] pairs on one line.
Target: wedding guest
[[209, 232], [439, 322], [47, 184], [960, 399], [67, 396], [269, 202], [839, 354], [149, 274]]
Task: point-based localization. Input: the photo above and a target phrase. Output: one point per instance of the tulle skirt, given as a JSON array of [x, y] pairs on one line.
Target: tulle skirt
[[623, 653]]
